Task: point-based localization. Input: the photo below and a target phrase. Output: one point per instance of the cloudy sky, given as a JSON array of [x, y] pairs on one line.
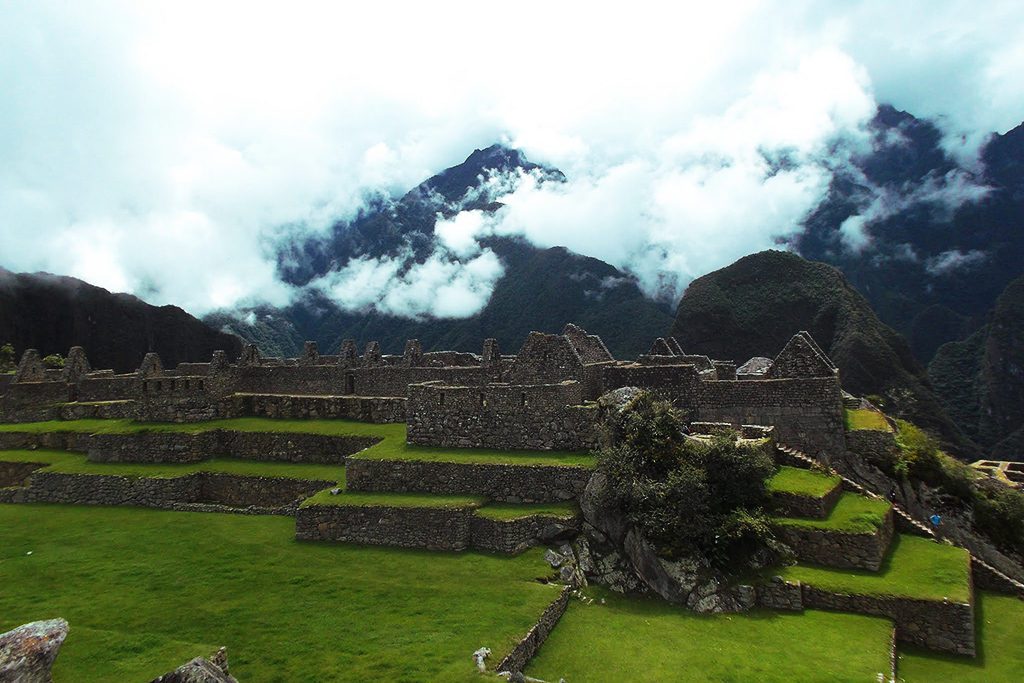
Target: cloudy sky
[[167, 149]]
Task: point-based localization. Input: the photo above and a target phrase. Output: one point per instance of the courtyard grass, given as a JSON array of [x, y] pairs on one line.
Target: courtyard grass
[[65, 462], [802, 482], [638, 639], [915, 567], [1000, 657], [852, 514], [146, 590], [864, 418], [504, 512]]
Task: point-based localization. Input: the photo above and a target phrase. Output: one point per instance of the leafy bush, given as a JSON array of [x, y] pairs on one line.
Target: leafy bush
[[998, 509], [7, 357], [687, 495], [54, 361]]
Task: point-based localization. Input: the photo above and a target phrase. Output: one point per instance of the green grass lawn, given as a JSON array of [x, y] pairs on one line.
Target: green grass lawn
[[76, 463], [636, 639], [146, 590], [863, 418], [802, 482], [401, 500], [852, 514], [915, 567], [1000, 659], [506, 511]]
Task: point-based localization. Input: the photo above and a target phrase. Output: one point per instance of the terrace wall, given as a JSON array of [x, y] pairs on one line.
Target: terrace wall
[[364, 409], [178, 447], [212, 488], [431, 528], [838, 549], [516, 535], [934, 624], [797, 505], [500, 482]]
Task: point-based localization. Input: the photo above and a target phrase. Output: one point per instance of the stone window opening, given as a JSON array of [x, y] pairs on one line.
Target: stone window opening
[[483, 400], [159, 385], [200, 383], [522, 399], [441, 399]]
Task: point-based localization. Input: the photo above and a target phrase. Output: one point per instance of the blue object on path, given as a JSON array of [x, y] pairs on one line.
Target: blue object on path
[[935, 520]]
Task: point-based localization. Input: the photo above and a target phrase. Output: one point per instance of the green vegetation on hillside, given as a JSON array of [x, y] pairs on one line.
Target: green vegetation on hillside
[[802, 482], [638, 639], [863, 418], [915, 567], [146, 590], [852, 514], [687, 496]]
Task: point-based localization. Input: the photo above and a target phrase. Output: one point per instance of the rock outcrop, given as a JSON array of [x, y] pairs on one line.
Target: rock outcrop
[[27, 653], [201, 670]]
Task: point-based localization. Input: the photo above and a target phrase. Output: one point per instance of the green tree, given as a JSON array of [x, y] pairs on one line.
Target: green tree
[[7, 357]]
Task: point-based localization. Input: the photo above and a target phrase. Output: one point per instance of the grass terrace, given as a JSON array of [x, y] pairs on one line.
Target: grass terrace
[[802, 482], [864, 418], [391, 447], [65, 462], [146, 590], [638, 639], [506, 512], [852, 514], [400, 500], [915, 567]]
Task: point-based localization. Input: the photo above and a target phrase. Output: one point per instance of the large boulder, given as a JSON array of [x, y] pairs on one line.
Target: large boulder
[[27, 653]]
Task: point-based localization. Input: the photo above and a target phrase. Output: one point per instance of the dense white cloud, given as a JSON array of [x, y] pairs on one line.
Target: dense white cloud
[[167, 148]]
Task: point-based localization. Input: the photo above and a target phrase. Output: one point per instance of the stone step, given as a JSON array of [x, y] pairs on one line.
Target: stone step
[[855, 534]]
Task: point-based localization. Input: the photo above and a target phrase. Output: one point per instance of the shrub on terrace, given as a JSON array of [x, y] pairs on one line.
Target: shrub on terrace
[[54, 361], [998, 509], [688, 496]]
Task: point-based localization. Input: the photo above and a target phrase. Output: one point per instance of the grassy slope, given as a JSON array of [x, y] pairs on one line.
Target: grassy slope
[[802, 482], [1000, 652], [852, 514], [648, 640], [145, 590], [862, 418], [915, 567], [76, 463]]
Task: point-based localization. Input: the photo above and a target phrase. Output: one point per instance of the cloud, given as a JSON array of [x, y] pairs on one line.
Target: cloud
[[954, 259], [441, 286], [170, 149]]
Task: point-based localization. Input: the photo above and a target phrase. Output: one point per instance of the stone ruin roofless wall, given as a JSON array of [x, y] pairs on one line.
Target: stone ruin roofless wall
[[541, 398]]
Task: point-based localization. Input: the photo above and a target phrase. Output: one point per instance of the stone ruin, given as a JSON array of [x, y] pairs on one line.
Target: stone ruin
[[539, 398]]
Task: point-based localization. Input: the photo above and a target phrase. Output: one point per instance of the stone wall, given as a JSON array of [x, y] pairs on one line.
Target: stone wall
[[934, 624], [364, 409], [797, 505], [431, 528], [500, 482], [181, 447], [806, 412], [502, 416], [838, 549], [109, 388], [528, 647], [516, 535], [873, 445], [15, 473], [777, 593], [227, 490]]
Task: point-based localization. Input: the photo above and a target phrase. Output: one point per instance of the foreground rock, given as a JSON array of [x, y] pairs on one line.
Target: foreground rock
[[201, 670], [27, 653]]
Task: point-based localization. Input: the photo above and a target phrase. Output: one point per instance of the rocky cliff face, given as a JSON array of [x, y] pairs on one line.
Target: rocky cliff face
[[52, 314], [981, 379], [752, 307]]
